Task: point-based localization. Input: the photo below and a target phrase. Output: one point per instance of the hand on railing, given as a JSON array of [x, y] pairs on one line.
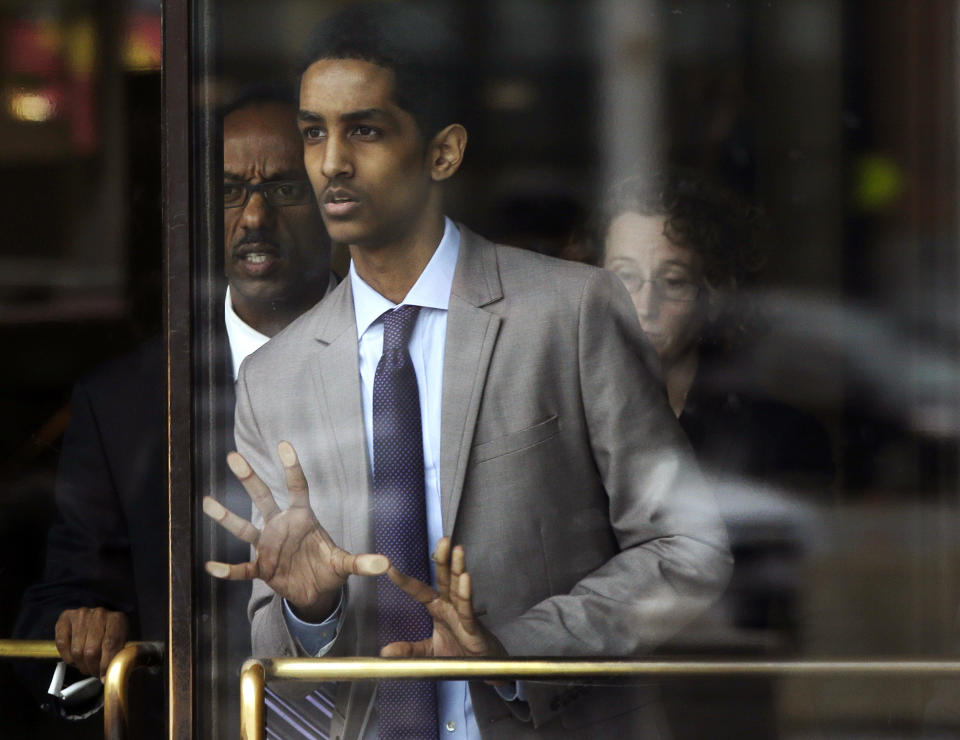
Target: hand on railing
[[296, 556], [88, 639]]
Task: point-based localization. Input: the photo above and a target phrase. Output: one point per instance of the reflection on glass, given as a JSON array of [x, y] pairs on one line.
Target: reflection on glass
[[79, 283], [835, 413], [838, 120]]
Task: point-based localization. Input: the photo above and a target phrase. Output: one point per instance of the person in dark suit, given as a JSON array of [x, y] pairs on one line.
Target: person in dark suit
[[106, 567]]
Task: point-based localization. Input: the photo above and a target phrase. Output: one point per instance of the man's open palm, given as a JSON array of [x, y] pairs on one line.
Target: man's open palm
[[456, 630], [296, 556]]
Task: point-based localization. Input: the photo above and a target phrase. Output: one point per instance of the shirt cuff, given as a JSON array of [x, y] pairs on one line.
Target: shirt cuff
[[314, 639], [512, 691], [78, 700]]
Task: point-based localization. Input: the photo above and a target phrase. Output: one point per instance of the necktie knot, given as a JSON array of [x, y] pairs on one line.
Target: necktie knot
[[398, 326]]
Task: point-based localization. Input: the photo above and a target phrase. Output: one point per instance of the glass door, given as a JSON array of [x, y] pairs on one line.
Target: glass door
[[801, 157]]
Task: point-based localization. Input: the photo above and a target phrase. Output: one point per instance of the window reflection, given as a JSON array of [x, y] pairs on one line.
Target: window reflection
[[836, 120], [79, 263]]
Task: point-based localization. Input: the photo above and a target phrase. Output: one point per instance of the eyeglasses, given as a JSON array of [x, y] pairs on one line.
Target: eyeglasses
[[666, 288], [278, 193]]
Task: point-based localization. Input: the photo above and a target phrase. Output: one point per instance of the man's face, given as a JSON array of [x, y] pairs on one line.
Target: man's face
[[273, 253], [365, 156], [639, 253]]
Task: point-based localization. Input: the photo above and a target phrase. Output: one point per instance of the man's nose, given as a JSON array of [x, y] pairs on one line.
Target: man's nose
[[337, 160], [257, 213]]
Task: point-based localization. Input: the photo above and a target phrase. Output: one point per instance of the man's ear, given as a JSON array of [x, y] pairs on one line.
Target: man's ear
[[446, 151]]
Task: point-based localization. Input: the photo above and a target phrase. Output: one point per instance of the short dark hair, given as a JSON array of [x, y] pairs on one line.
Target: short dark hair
[[416, 47], [722, 229], [259, 94]]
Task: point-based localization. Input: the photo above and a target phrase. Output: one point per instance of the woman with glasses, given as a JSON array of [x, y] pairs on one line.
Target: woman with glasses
[[683, 249], [686, 252]]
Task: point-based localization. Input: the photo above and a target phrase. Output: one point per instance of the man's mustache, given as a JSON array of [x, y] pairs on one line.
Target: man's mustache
[[258, 237]]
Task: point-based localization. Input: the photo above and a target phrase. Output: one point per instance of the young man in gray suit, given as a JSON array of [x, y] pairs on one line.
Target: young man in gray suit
[[545, 448]]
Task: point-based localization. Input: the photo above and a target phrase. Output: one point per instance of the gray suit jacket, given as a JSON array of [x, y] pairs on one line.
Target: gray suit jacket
[[564, 474]]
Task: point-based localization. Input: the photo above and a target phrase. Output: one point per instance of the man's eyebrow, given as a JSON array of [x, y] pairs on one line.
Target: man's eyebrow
[[287, 175], [367, 114], [290, 174]]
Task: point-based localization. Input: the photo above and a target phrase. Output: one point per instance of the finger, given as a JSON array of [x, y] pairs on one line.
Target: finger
[[412, 587], [461, 591], [114, 637], [95, 626], [255, 488], [78, 636], [63, 637], [464, 605], [458, 566], [346, 564], [441, 557], [296, 481], [234, 524], [232, 571], [420, 649]]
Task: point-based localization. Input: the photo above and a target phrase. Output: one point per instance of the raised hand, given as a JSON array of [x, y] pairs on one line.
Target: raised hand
[[456, 630], [296, 556], [89, 638]]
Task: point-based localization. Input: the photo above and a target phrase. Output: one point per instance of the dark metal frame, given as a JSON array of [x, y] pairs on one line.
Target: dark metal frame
[[178, 219], [191, 155]]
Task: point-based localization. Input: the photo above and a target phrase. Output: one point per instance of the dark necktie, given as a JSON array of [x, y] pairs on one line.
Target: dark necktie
[[407, 709]]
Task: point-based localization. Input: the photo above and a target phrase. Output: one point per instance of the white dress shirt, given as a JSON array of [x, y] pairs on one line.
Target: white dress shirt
[[243, 339], [432, 293]]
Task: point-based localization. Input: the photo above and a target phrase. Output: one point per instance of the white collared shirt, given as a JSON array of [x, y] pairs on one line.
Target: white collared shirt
[[432, 293], [243, 339], [427, 341]]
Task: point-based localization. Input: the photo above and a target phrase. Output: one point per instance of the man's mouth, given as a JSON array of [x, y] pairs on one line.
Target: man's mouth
[[338, 203], [256, 260]]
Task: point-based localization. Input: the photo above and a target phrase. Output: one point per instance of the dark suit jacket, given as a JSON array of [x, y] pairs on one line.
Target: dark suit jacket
[[108, 545]]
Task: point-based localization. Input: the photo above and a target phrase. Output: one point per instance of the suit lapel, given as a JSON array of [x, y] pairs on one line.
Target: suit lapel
[[471, 337], [336, 379]]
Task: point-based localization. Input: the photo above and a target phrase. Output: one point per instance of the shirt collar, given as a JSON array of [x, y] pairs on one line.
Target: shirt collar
[[243, 338], [432, 289]]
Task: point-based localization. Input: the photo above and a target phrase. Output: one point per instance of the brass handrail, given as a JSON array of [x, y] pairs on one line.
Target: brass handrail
[[255, 672], [252, 715], [34, 649], [116, 684]]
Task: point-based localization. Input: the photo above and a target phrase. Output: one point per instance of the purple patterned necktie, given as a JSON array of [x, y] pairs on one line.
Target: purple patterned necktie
[[407, 709]]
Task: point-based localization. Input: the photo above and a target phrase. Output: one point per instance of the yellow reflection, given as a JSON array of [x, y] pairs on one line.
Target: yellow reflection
[[879, 182], [35, 107], [81, 47], [142, 42]]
